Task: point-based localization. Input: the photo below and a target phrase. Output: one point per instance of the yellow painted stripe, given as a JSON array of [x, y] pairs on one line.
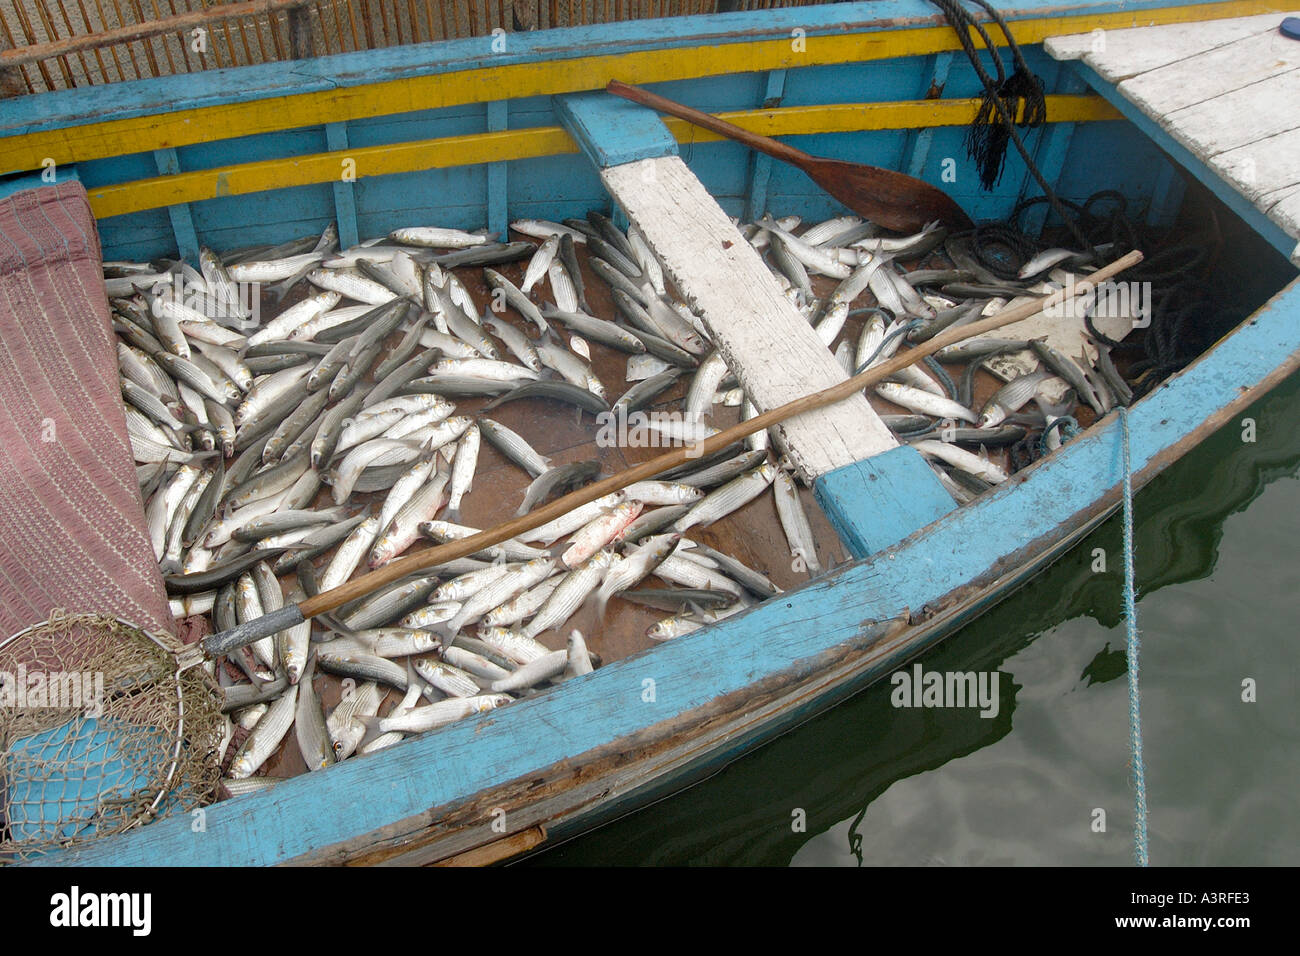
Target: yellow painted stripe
[[476, 148], [328, 168], [908, 114], [207, 124]]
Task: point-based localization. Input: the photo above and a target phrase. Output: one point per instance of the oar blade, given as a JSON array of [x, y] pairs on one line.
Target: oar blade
[[894, 200]]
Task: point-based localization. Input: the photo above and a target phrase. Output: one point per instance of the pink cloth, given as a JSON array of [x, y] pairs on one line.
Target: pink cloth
[[72, 525]]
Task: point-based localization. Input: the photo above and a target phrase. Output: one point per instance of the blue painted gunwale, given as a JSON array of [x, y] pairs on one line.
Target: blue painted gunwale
[[63, 108], [959, 564], [527, 187]]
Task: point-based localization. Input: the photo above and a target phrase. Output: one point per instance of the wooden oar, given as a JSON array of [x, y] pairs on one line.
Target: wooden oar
[[894, 200], [292, 614]]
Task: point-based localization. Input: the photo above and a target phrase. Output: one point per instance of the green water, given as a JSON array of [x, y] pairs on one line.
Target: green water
[[1218, 583]]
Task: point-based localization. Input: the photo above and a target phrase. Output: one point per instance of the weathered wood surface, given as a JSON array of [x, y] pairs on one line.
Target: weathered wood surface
[[1225, 89], [1117, 55], [724, 279]]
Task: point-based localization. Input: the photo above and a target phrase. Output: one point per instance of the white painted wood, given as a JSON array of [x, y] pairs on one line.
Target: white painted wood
[[1286, 213], [772, 349], [1228, 90], [1248, 115], [1207, 76], [1269, 200], [1259, 170], [1117, 55]]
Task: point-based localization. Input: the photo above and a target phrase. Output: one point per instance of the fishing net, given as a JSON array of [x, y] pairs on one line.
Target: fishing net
[[100, 731]]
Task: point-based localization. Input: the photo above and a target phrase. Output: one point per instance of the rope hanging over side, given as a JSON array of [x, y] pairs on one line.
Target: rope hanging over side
[[1131, 655]]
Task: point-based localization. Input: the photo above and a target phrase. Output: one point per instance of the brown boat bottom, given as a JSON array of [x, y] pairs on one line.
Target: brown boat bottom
[[752, 535]]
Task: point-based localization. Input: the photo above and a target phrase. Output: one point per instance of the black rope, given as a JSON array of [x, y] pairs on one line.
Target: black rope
[[986, 142], [1001, 249], [1174, 272]]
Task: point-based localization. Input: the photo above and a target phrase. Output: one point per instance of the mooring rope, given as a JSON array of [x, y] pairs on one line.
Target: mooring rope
[[1131, 656]]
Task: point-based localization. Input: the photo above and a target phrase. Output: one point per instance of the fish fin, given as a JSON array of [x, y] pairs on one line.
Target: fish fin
[[445, 632], [330, 621], [372, 730]]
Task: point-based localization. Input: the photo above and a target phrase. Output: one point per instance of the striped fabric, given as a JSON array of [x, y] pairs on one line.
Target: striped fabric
[[72, 525]]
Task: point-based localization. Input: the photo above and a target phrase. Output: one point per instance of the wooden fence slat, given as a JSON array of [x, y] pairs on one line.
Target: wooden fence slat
[[61, 44]]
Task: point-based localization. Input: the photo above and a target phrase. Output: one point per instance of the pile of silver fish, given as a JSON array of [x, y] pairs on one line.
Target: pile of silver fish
[[257, 437], [913, 306]]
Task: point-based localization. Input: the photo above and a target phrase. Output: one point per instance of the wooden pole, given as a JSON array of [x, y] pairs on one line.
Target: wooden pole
[[335, 597], [291, 614], [139, 31]]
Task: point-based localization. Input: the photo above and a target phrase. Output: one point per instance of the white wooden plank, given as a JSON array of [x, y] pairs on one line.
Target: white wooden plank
[[1207, 76], [772, 349], [1269, 200], [1225, 89], [1117, 55], [1248, 115], [1262, 168], [1286, 213]]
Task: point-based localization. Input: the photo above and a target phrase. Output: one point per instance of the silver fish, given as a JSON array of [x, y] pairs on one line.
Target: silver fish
[[732, 496]]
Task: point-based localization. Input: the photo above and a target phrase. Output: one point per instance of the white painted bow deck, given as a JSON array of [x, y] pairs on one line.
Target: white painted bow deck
[[1228, 91]]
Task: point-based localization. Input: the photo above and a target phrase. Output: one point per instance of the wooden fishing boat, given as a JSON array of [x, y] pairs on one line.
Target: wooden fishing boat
[[489, 130]]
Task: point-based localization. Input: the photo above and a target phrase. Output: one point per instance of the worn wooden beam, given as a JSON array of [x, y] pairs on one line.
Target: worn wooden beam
[[345, 200], [187, 240], [1117, 55], [503, 849]]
